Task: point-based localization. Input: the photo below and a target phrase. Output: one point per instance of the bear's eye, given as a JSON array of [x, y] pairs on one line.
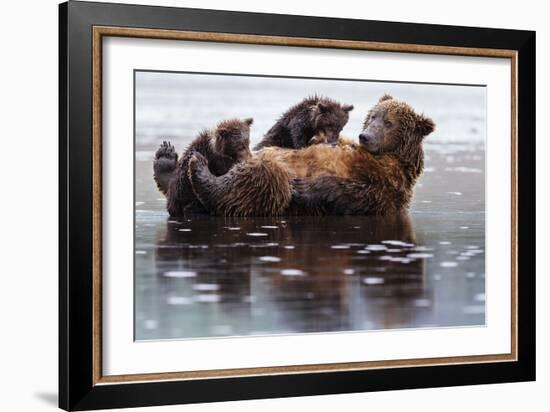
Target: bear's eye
[[388, 124]]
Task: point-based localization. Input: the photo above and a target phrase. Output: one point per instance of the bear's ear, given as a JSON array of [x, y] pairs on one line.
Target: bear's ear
[[318, 109], [347, 107], [323, 107], [424, 125], [248, 121], [384, 98]]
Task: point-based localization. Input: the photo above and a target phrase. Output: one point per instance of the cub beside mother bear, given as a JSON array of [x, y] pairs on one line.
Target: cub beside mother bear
[[326, 175]]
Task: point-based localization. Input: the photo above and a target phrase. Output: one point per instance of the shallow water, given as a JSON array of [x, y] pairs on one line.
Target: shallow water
[[206, 276]]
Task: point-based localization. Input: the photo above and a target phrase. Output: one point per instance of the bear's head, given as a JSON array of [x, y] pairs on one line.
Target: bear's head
[[328, 118], [232, 138], [392, 126]]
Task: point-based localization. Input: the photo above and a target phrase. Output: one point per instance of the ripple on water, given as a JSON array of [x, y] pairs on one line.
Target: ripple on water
[[256, 234], [395, 259], [208, 298], [292, 272], [463, 169], [422, 303], [373, 280], [480, 297], [376, 247], [206, 287], [340, 247], [249, 299], [269, 259], [263, 245], [422, 249], [397, 243], [420, 255], [448, 264], [179, 300], [180, 274]]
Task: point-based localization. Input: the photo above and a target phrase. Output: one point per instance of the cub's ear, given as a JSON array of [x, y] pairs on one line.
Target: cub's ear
[[384, 98], [248, 121], [322, 107], [347, 107], [424, 125], [317, 109]]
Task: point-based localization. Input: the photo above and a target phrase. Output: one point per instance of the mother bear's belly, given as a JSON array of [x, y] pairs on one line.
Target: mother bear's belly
[[312, 161]]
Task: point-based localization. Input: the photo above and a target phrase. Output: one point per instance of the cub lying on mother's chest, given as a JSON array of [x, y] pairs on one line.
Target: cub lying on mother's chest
[[314, 120], [375, 177]]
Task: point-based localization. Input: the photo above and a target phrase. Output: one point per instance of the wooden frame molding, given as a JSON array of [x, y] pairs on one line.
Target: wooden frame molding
[[101, 31]]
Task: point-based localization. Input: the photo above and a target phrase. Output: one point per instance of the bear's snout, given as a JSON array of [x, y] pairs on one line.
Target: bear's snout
[[365, 138]]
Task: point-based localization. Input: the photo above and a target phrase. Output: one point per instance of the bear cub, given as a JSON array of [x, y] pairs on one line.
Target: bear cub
[[223, 146], [314, 120]]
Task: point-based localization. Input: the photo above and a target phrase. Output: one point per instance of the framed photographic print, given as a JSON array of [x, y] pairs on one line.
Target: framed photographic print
[[257, 205]]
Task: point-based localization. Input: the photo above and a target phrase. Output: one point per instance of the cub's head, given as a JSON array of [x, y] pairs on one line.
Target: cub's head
[[328, 118], [392, 126], [232, 138]]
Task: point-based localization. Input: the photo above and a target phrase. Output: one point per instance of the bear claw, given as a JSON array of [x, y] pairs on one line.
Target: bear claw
[[166, 150]]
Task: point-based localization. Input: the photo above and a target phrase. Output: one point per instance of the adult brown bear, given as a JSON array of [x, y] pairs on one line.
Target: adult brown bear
[[375, 177]]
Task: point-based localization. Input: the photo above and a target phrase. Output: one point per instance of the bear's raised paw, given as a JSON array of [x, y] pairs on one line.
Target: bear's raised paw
[[166, 150]]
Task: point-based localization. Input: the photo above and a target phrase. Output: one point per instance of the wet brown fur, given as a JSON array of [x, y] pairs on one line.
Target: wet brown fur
[[345, 179], [314, 120], [223, 146]]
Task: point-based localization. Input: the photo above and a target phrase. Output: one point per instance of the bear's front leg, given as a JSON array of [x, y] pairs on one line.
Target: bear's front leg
[[330, 195], [203, 182]]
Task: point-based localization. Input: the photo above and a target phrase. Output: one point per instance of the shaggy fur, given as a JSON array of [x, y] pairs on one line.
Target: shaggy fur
[[393, 159], [223, 146], [258, 187], [375, 177], [313, 120]]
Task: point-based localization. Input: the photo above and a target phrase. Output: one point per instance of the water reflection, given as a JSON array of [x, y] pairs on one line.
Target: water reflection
[[237, 276]]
